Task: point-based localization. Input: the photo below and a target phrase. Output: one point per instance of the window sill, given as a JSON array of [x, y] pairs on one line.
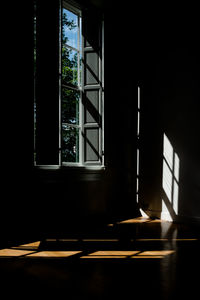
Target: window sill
[[70, 167], [70, 173], [60, 174]]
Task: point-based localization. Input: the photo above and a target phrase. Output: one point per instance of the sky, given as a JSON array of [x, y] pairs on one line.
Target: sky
[[71, 34]]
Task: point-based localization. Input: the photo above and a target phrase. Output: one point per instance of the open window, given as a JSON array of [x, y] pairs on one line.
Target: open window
[[81, 87], [71, 88], [69, 101]]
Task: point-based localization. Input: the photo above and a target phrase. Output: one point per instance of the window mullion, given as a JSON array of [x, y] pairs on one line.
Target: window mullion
[[71, 87], [71, 47]]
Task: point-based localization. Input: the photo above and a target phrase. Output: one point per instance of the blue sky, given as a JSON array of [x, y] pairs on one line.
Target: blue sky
[[72, 34]]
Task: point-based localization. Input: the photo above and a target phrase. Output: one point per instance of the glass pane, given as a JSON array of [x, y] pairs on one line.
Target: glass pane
[[80, 33], [70, 106], [69, 66], [70, 28], [70, 144]]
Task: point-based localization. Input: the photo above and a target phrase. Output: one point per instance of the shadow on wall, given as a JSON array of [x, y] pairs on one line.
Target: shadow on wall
[[170, 181]]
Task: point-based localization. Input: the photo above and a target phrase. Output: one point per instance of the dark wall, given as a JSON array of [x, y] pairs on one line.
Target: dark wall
[[16, 116], [155, 50], [170, 105], [40, 201]]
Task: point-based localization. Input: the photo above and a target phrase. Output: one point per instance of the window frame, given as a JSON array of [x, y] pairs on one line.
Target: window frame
[[82, 127], [78, 87], [84, 146]]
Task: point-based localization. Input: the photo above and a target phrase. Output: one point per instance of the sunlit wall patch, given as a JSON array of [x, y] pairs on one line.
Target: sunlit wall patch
[[170, 178]]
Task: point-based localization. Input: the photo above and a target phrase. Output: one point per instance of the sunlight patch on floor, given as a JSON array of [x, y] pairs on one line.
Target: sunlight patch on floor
[[32, 245], [13, 252], [128, 254], [114, 253], [135, 220], [54, 254]]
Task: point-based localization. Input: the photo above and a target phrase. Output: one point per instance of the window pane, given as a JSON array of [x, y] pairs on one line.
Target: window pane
[[70, 106], [70, 144], [70, 28], [69, 66]]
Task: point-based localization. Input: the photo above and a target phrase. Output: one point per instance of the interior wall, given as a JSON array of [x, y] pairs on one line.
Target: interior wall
[[170, 106], [16, 117], [44, 202], [165, 64]]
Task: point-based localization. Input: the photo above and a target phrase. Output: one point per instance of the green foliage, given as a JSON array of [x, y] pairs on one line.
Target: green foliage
[[69, 57], [70, 143], [70, 97], [70, 103]]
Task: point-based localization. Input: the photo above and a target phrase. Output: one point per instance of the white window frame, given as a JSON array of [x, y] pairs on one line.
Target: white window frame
[[78, 87], [81, 163]]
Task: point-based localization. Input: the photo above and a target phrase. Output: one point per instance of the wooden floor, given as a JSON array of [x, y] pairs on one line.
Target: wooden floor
[[137, 258]]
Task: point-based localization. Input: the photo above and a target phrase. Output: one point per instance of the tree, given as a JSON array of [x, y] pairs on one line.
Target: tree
[[70, 96]]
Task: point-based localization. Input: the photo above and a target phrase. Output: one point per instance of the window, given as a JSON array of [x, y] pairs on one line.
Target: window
[[71, 109], [69, 86], [81, 89]]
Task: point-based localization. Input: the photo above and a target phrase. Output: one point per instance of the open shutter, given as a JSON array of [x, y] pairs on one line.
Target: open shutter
[[47, 83], [92, 88]]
